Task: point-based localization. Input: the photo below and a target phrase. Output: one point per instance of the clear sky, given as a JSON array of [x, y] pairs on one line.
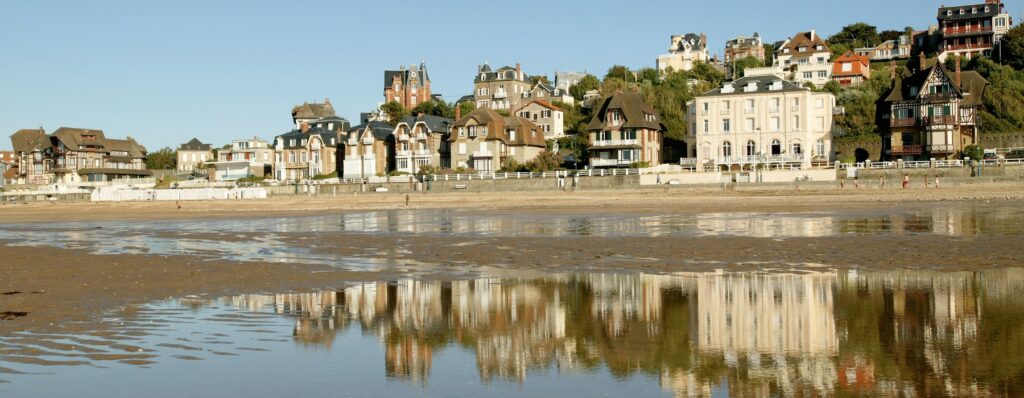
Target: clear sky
[[166, 71]]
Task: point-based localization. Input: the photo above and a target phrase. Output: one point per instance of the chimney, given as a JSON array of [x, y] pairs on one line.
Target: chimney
[[304, 127], [813, 35], [892, 70], [519, 71], [920, 60], [956, 78], [458, 112]]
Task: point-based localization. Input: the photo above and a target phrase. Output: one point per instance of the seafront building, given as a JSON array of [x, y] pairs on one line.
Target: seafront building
[[310, 150], [804, 58], [549, 118], [931, 113], [244, 158], [742, 47], [625, 132], [369, 150], [486, 141], [501, 89], [851, 70], [420, 142], [684, 51], [972, 30], [193, 155], [760, 120], [71, 155], [888, 50], [407, 86]]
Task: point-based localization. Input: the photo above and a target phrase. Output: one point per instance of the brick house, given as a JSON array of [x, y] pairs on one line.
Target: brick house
[[409, 87], [850, 69]]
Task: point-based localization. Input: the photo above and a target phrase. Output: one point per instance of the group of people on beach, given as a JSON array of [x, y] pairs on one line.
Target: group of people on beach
[[928, 182]]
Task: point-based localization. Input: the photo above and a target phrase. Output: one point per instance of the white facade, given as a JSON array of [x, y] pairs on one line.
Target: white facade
[[549, 119], [806, 59], [760, 120]]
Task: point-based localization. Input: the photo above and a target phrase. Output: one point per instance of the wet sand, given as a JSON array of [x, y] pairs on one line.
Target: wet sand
[[639, 200], [55, 287]]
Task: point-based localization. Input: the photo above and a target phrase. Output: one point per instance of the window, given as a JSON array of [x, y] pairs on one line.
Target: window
[[707, 106], [727, 149], [808, 75], [751, 148], [773, 105], [629, 135], [707, 126], [749, 106], [291, 142], [797, 149], [512, 135], [823, 73], [821, 60], [472, 131], [775, 124], [819, 148], [726, 125], [291, 157], [776, 147], [304, 158]]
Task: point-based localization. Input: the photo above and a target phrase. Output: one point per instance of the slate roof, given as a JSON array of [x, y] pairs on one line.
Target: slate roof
[[380, 130], [993, 10], [28, 140], [434, 123], [75, 138], [508, 73], [195, 145], [403, 76], [324, 134], [763, 84], [633, 109], [971, 83]]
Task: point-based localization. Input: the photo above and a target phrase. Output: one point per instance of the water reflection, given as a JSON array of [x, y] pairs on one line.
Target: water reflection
[[915, 333], [295, 239]]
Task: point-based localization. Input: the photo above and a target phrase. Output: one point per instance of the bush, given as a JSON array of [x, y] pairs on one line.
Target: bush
[[395, 173], [512, 166], [322, 176], [253, 179], [1016, 154], [975, 152], [545, 161], [639, 165]]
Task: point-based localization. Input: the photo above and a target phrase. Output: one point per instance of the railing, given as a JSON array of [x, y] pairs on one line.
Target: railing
[[754, 159], [403, 153], [527, 175], [609, 162], [973, 46], [500, 94], [610, 143], [688, 161], [949, 163], [903, 122], [482, 154], [933, 120], [907, 150], [944, 148], [966, 30], [918, 164]]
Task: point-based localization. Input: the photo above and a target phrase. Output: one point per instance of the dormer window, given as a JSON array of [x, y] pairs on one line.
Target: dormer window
[[483, 76], [961, 11], [785, 51], [974, 10], [949, 13], [818, 47], [802, 49]]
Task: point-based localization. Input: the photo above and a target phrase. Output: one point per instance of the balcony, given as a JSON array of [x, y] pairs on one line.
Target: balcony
[[403, 153], [907, 150], [903, 122], [938, 120], [966, 30], [972, 46], [482, 154], [500, 95], [615, 143], [942, 149]]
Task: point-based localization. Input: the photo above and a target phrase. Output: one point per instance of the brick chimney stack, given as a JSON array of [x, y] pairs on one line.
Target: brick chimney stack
[[458, 112], [519, 72], [920, 60], [892, 70]]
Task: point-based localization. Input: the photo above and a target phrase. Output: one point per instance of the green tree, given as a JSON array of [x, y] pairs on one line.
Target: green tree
[[769, 54], [856, 35], [1003, 100], [1010, 50], [741, 65], [587, 83], [466, 108], [620, 72], [163, 159], [975, 152], [435, 108], [395, 112]]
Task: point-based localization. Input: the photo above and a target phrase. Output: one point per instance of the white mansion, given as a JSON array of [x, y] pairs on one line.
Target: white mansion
[[760, 120]]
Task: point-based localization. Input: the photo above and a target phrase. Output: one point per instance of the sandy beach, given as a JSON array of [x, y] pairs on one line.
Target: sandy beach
[[50, 286]]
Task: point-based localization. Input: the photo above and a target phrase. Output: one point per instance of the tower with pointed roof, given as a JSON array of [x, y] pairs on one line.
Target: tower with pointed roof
[[407, 86]]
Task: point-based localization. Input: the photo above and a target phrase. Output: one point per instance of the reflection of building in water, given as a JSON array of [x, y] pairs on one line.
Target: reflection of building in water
[[766, 225], [750, 334]]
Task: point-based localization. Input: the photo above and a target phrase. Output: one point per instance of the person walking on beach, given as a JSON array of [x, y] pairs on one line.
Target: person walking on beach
[[936, 181], [906, 181], [881, 182], [407, 200], [927, 182], [842, 183]]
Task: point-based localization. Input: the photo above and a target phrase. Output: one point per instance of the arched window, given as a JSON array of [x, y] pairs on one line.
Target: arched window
[[751, 148], [727, 149], [820, 148], [776, 147]]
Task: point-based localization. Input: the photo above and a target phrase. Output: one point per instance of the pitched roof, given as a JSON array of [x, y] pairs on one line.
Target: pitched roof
[[808, 40], [28, 140], [504, 73], [763, 85], [379, 130], [313, 111], [633, 109], [324, 134], [526, 132], [953, 13], [75, 137], [861, 65], [404, 74], [544, 104], [127, 145], [971, 88], [195, 145], [434, 123]]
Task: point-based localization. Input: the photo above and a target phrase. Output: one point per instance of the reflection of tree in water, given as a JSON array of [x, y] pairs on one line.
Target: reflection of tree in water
[[882, 333]]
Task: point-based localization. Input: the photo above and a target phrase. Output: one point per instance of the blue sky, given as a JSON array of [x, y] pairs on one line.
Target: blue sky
[[166, 71]]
